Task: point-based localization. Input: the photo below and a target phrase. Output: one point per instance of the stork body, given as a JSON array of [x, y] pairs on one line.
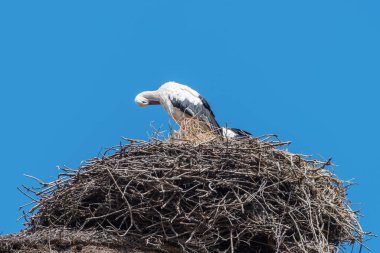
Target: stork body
[[180, 102]]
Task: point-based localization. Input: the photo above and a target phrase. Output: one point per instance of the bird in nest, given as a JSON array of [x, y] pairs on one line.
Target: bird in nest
[[183, 103]]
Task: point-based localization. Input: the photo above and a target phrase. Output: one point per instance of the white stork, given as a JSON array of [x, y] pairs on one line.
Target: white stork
[[180, 102]]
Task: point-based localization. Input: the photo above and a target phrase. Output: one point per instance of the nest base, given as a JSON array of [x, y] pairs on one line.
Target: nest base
[[246, 195]]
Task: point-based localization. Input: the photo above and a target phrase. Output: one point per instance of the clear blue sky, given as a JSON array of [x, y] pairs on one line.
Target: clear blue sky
[[306, 70]]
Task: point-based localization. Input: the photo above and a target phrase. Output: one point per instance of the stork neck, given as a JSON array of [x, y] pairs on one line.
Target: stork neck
[[150, 95]]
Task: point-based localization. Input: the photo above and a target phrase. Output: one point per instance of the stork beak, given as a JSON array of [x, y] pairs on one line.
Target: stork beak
[[153, 102]]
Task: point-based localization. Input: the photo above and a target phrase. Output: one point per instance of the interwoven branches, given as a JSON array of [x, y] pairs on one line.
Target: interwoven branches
[[243, 195]]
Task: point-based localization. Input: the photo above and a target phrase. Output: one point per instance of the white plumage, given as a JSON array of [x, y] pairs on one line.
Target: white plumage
[[231, 133]]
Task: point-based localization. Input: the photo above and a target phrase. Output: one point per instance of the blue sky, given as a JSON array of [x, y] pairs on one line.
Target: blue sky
[[308, 71]]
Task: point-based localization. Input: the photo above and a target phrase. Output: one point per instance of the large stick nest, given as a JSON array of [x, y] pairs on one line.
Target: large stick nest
[[245, 195]]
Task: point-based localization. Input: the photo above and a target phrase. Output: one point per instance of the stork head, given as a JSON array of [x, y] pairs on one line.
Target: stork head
[[146, 98]]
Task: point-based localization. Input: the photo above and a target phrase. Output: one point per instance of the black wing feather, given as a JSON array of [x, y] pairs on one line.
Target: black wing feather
[[183, 105], [202, 111], [206, 105]]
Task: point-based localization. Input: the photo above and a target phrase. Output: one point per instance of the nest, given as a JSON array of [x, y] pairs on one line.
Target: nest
[[247, 195], [196, 132], [66, 241]]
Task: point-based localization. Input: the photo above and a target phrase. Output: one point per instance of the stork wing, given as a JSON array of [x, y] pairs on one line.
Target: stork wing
[[196, 107], [191, 103]]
